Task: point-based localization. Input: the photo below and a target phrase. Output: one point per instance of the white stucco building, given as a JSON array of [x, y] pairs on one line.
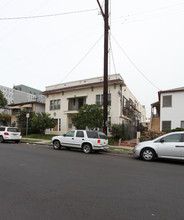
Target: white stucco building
[[168, 112], [64, 100], [171, 109]]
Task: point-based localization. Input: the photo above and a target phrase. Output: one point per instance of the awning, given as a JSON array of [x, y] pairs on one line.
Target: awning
[[27, 106], [15, 107]]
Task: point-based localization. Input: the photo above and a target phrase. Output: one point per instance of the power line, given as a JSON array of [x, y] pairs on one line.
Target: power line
[[112, 56], [152, 13], [81, 59], [49, 15], [135, 65]]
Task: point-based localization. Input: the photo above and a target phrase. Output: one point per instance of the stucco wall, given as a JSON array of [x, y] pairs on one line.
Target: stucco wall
[[90, 95], [175, 113]]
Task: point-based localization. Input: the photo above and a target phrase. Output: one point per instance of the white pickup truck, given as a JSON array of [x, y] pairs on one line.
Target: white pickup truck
[[86, 140]]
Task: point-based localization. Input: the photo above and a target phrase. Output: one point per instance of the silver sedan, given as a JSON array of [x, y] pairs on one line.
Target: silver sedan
[[170, 145]]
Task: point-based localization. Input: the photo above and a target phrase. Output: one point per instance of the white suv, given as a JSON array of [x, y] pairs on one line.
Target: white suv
[[88, 141], [10, 134]]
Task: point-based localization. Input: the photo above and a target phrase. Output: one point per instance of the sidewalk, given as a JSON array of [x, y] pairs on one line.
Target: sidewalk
[[112, 148]]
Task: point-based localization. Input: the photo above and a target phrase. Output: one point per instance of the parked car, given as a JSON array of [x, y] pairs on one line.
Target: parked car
[[170, 145], [88, 141], [10, 134]]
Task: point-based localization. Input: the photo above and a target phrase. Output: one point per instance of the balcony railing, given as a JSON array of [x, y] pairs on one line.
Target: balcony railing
[[55, 107]]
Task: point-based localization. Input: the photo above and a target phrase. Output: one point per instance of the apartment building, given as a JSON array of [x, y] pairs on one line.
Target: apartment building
[[167, 113], [22, 97], [14, 96], [62, 101]]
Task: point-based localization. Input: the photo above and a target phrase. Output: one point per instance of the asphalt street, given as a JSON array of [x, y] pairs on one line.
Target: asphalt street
[[37, 182]]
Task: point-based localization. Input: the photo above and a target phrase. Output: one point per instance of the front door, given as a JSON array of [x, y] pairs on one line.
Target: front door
[[68, 139]]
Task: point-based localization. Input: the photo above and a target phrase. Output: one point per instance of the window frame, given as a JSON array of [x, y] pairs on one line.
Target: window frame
[[167, 103], [163, 127]]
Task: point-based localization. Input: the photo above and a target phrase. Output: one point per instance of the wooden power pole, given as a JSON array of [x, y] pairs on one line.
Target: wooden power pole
[[106, 50]]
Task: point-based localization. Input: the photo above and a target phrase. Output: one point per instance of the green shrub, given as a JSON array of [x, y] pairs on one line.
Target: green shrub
[[110, 140], [116, 131]]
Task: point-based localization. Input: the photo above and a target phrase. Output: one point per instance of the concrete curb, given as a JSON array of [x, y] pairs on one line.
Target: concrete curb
[[112, 152]]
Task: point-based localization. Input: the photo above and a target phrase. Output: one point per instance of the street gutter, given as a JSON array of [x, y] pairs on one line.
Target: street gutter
[[116, 151]]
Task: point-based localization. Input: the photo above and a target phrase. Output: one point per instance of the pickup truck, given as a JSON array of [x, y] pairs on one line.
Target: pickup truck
[[86, 140]]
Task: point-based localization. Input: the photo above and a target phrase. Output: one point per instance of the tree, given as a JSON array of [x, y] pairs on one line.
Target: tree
[[37, 122], [5, 119], [22, 120], [90, 116], [3, 101], [42, 121], [117, 132]]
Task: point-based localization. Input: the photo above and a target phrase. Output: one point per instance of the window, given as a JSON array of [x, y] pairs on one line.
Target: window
[[98, 102], [55, 104], [167, 101], [166, 125], [2, 129], [13, 129], [172, 138], [80, 134], [92, 134], [99, 99], [182, 124], [102, 135], [109, 99], [70, 134], [15, 111]]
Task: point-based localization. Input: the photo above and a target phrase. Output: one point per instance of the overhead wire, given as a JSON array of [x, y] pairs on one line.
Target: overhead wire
[[112, 55], [48, 15], [21, 22], [55, 44], [135, 66], [80, 61], [154, 13], [110, 45]]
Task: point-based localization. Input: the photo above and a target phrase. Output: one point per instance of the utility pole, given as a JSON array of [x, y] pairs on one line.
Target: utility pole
[[106, 50]]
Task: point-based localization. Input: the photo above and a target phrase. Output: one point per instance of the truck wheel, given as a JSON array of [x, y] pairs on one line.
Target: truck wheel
[[87, 148], [56, 145]]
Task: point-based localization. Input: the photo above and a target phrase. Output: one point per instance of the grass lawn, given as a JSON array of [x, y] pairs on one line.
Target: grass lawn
[[40, 136]]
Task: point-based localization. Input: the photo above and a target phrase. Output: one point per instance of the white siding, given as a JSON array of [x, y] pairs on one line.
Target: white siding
[[175, 113]]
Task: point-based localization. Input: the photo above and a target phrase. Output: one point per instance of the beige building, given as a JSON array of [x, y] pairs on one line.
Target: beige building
[[62, 101], [36, 107]]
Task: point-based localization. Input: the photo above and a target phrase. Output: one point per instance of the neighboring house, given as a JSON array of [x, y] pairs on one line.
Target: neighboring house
[[169, 110], [36, 107], [18, 100], [64, 100]]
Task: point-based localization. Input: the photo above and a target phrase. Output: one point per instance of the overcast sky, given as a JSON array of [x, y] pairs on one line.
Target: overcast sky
[[147, 43]]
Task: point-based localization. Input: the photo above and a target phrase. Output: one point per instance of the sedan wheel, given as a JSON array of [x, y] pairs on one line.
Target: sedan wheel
[[147, 154], [56, 145], [87, 149]]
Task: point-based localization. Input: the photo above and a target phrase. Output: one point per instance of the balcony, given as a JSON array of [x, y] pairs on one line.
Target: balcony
[[75, 103]]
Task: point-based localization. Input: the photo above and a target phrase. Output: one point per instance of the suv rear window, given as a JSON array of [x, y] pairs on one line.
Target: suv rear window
[[92, 134], [13, 129], [102, 135], [2, 129]]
